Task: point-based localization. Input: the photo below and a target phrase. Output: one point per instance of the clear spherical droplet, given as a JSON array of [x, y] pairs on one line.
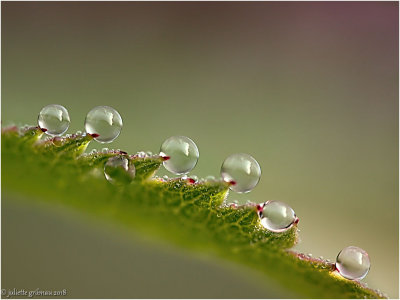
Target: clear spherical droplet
[[57, 141], [182, 152], [104, 121], [353, 263], [242, 170], [54, 119], [276, 216], [141, 154], [119, 170]]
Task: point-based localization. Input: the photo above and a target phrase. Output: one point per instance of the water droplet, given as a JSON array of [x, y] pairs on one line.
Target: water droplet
[[149, 153], [353, 263], [276, 216], [93, 151], [184, 177], [321, 257], [54, 118], [104, 121], [183, 154], [119, 170], [57, 141], [165, 177], [104, 150], [78, 132], [242, 170], [141, 154], [309, 254]]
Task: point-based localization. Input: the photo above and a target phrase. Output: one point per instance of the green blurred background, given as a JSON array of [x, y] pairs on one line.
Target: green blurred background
[[310, 89]]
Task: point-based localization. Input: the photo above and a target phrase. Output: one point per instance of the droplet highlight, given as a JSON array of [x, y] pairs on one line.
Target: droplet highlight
[[119, 170], [242, 171], [353, 263], [54, 119], [276, 216], [182, 152], [104, 123]]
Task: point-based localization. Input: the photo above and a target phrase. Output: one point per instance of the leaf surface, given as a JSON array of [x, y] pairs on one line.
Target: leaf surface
[[190, 215]]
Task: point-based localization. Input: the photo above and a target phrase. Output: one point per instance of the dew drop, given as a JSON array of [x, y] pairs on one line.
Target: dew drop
[[54, 119], [183, 154], [78, 132], [104, 121], [119, 170], [276, 216], [93, 151], [149, 153], [104, 150], [353, 263], [242, 170], [210, 178], [141, 154], [165, 177], [57, 141]]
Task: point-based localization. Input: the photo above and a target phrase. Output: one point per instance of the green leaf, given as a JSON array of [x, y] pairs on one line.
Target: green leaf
[[191, 215]]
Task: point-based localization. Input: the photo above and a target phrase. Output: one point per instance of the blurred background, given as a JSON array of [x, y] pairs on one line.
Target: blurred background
[[310, 89]]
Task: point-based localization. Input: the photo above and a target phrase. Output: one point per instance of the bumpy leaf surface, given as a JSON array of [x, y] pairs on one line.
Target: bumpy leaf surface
[[191, 215]]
